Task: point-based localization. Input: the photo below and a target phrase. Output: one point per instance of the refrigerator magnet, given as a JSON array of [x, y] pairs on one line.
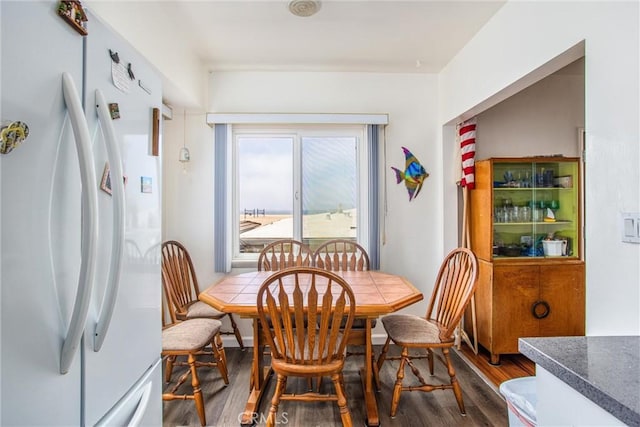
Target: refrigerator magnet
[[130, 72], [105, 184], [12, 134], [74, 15], [114, 56], [144, 87], [114, 110], [145, 184]]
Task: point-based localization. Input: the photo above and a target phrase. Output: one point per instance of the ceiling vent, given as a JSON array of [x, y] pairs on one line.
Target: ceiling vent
[[304, 7]]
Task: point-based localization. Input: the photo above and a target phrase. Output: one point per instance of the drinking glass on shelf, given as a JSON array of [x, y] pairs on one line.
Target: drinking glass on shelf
[[538, 214], [507, 207], [540, 179], [548, 178], [526, 182], [508, 176], [516, 212]]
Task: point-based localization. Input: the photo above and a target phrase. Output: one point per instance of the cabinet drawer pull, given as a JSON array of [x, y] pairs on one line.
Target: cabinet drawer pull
[[536, 313]]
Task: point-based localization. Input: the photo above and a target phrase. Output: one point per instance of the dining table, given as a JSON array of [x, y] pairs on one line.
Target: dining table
[[376, 294]]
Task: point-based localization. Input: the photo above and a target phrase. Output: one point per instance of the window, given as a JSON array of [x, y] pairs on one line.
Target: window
[[307, 182], [300, 183]]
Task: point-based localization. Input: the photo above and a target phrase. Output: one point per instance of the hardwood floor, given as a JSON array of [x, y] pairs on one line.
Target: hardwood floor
[[224, 405], [511, 365]]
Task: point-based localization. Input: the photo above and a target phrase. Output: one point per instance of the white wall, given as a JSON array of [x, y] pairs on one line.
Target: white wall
[[543, 118], [522, 37], [187, 194], [413, 236]]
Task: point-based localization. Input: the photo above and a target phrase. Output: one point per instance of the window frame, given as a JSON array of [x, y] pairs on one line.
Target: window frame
[[222, 124], [297, 132]]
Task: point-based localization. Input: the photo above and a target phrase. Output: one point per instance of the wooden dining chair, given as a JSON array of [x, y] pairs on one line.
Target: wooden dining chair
[[341, 255], [284, 253], [288, 302], [347, 255], [181, 285], [191, 338], [455, 284]]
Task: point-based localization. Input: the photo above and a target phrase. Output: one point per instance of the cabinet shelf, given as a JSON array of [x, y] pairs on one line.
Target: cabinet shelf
[[556, 222], [510, 201], [532, 258], [532, 188]]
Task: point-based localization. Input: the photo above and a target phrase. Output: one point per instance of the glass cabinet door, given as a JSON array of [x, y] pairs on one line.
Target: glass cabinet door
[[535, 208]]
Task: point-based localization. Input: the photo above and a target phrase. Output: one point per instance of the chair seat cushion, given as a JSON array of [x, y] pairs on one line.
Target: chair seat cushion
[[189, 335], [201, 309], [411, 330]]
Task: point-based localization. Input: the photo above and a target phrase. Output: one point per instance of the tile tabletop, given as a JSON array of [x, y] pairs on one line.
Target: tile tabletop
[[377, 293]]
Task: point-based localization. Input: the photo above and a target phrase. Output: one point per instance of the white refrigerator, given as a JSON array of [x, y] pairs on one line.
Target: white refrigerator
[[80, 298]]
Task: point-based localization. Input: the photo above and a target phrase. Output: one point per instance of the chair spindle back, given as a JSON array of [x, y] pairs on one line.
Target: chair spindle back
[[304, 307], [452, 291], [341, 255], [284, 253]]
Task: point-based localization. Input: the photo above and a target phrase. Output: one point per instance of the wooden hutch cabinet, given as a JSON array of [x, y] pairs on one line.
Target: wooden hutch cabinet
[[526, 232]]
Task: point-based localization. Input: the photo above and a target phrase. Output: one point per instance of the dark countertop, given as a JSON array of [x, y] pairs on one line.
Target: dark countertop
[[605, 369]]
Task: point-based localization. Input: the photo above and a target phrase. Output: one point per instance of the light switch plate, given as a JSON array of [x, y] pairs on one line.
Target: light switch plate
[[630, 227]]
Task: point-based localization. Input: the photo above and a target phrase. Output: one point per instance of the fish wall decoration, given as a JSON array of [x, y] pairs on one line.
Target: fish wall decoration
[[413, 176]]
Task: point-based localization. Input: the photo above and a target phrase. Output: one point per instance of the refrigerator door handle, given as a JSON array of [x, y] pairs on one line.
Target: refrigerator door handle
[[89, 223], [133, 406], [141, 409], [117, 188]]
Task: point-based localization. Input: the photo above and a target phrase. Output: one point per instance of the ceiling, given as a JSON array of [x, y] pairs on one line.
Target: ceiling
[[345, 35], [388, 36]]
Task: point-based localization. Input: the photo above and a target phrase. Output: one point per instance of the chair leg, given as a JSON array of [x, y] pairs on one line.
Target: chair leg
[[397, 388], [310, 383], [383, 353], [220, 357], [169, 368], [197, 393], [430, 359], [223, 353], [342, 400], [236, 331], [454, 381], [275, 401]]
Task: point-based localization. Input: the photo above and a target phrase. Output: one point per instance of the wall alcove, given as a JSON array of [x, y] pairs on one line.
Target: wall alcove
[[542, 114]]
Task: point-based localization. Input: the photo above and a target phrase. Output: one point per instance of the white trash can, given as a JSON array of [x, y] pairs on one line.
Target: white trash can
[[521, 397]]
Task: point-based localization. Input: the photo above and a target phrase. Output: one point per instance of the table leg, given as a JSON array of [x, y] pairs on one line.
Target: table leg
[[371, 405], [258, 382]]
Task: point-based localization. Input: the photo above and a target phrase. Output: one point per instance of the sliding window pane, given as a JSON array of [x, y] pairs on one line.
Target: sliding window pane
[[329, 189], [265, 191]]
